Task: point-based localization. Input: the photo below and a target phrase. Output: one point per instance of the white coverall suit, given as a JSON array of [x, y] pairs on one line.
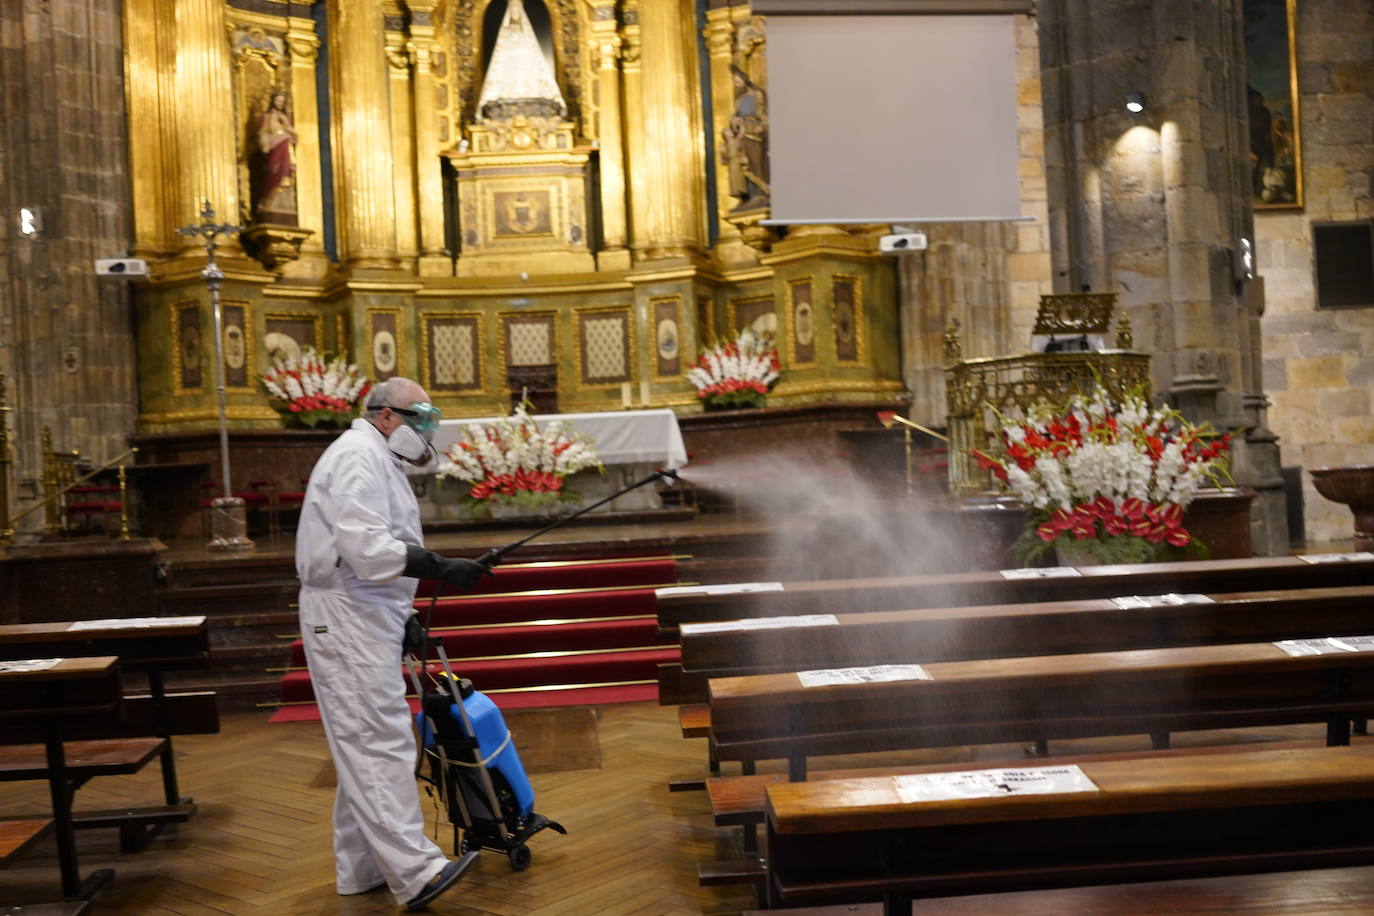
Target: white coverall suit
[[358, 516]]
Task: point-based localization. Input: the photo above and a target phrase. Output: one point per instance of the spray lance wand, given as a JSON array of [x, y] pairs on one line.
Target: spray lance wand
[[417, 635], [497, 554]]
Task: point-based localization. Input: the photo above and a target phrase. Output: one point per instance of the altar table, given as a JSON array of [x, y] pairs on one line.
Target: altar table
[[632, 445]]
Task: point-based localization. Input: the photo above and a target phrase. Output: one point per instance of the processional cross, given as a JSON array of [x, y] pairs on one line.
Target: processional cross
[[228, 525]]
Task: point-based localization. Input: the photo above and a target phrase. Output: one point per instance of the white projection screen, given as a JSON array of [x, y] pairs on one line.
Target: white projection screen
[[877, 119]]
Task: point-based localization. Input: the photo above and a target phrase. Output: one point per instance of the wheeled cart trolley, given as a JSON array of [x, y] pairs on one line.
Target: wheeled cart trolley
[[474, 766]]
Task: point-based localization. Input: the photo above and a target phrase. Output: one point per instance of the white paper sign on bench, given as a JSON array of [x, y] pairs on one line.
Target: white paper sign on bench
[[1130, 602], [1040, 572], [760, 623], [132, 623], [1315, 558], [733, 588], [30, 664], [1327, 645], [828, 677], [928, 787]]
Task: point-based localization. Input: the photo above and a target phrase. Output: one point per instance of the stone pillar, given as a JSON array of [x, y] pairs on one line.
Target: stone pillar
[[304, 49], [366, 198], [1151, 205], [206, 151], [606, 46], [671, 177], [66, 349], [429, 187]]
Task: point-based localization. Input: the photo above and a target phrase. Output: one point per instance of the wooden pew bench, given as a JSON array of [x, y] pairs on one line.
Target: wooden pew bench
[[998, 631], [86, 760], [48, 701], [841, 596], [1093, 694], [16, 838], [18, 835], [849, 841], [125, 744]]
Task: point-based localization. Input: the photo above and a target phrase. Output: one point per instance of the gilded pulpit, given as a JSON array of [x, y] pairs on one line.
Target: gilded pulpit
[[522, 202]]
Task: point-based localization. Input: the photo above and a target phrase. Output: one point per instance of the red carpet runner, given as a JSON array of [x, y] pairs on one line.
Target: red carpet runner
[[540, 634]]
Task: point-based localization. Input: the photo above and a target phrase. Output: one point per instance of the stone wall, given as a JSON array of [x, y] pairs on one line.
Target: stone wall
[[988, 275], [66, 338], [1319, 364]]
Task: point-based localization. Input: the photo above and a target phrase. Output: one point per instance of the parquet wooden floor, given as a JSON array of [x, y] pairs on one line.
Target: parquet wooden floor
[[260, 842]]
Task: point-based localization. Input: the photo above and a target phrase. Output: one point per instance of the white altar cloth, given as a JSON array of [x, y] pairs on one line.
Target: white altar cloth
[[621, 436]]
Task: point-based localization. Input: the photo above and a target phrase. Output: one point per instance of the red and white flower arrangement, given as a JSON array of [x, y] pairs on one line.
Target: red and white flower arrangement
[[513, 461], [310, 391], [737, 374], [1116, 477]]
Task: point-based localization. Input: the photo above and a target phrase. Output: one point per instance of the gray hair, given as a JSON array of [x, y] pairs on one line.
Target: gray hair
[[382, 393]]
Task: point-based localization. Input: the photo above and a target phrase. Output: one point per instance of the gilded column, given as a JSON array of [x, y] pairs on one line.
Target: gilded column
[[402, 148], [142, 96], [366, 199], [605, 46], [207, 160], [304, 47], [429, 182], [720, 41], [674, 165], [637, 189]]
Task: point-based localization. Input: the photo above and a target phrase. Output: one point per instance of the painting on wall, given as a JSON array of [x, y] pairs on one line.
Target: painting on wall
[[284, 336], [238, 347], [1272, 97], [756, 313], [452, 352], [384, 330], [803, 314], [521, 214], [188, 367], [667, 337], [529, 340], [847, 304], [603, 342]]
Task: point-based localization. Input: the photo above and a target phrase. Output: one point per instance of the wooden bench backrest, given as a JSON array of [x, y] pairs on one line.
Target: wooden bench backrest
[[1168, 783], [176, 644], [1052, 627], [1257, 811], [959, 589], [773, 715], [74, 688]]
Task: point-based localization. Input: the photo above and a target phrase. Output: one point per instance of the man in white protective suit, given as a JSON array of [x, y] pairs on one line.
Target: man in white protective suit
[[358, 555]]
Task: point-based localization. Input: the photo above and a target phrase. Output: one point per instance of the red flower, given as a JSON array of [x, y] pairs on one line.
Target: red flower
[[988, 463]]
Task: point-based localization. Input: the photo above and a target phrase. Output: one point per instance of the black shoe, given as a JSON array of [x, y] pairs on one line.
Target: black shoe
[[447, 877]]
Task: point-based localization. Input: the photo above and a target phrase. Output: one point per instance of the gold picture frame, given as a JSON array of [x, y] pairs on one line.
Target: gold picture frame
[[478, 319]]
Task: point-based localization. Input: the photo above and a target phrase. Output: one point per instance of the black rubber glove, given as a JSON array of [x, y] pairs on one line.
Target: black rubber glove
[[455, 571]]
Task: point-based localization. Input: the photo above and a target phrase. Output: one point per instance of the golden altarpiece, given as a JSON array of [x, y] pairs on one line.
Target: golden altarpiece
[[486, 195]]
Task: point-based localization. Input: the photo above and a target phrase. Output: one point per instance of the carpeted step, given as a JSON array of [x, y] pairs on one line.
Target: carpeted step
[[495, 674], [519, 577], [554, 637], [539, 605]]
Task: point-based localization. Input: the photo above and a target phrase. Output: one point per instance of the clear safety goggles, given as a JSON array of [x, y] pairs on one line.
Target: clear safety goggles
[[421, 416]]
